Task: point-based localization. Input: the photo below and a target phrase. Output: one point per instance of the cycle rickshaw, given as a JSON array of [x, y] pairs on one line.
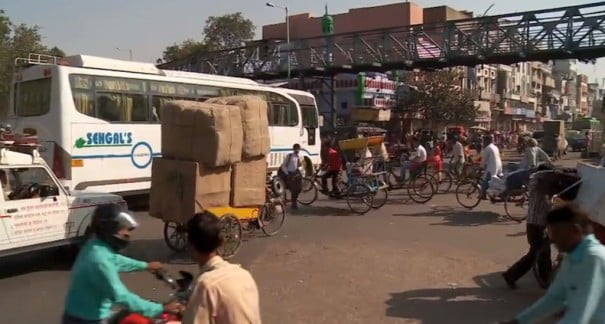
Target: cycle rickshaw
[[269, 218], [365, 187]]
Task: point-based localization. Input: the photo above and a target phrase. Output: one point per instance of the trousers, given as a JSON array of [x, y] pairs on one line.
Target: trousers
[[539, 250]]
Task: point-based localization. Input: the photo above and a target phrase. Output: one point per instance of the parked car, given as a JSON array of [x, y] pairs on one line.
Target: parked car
[[36, 211], [577, 142]]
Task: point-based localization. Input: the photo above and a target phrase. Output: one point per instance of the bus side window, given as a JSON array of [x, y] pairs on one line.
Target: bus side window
[[122, 107]]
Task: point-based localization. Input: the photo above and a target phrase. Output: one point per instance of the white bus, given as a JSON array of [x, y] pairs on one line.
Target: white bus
[[98, 118]]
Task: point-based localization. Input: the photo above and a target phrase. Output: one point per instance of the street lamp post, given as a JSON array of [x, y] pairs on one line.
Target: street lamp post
[[129, 52], [285, 8]]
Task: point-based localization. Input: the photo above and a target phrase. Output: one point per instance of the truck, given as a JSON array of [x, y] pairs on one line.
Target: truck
[[594, 128], [36, 211]]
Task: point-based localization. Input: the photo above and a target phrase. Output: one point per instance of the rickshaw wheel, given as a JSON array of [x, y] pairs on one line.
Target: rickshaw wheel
[[272, 217], [308, 193], [175, 236], [360, 198], [231, 233], [516, 204], [421, 189], [468, 193]]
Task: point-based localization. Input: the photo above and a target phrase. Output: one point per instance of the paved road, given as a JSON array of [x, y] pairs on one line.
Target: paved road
[[405, 263]]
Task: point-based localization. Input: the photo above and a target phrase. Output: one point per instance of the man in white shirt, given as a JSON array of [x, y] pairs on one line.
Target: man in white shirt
[[224, 293], [490, 161], [416, 162], [290, 174], [458, 157]]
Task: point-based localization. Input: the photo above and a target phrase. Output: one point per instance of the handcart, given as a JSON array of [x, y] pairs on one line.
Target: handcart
[[268, 217]]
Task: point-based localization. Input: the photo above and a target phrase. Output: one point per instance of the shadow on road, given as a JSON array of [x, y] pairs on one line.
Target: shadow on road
[[483, 304], [460, 217], [471, 218], [310, 211], [57, 259]]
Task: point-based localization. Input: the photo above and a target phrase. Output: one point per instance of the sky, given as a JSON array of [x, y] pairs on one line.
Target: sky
[[111, 28]]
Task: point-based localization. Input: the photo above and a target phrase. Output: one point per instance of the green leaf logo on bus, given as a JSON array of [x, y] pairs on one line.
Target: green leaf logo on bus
[[104, 139]]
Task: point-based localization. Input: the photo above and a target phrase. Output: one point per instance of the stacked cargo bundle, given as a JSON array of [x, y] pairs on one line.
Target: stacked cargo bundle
[[213, 155]]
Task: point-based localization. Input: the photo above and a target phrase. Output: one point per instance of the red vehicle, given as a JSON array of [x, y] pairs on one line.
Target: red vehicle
[[183, 288]]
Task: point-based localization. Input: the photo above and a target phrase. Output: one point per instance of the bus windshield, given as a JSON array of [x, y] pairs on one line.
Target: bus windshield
[[32, 98]]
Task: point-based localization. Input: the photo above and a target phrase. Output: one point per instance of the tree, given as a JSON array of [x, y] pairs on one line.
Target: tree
[[17, 41], [186, 49], [228, 31], [439, 98], [222, 32]]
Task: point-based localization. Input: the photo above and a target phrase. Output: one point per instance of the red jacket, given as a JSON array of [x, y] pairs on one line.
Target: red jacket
[[334, 161]]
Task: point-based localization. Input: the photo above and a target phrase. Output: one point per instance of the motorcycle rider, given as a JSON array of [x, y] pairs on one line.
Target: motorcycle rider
[[95, 282]]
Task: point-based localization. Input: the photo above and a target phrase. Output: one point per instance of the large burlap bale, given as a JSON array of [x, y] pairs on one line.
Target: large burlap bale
[[255, 123], [248, 182], [203, 132], [179, 189]]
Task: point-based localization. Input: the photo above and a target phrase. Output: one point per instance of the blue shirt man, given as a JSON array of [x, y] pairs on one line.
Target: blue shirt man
[[95, 283], [579, 287], [96, 286]]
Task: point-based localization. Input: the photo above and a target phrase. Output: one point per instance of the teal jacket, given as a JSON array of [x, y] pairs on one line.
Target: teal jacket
[[579, 288], [96, 286]]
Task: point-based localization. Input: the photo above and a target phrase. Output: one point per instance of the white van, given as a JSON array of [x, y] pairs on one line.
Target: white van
[[36, 212]]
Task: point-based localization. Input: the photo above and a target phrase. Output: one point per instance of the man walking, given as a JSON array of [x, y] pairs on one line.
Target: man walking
[[539, 206]]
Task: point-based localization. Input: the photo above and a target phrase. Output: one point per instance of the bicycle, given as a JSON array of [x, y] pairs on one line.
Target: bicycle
[[512, 199]]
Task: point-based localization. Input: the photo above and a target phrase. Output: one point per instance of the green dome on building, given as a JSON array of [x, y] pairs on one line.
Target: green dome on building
[[327, 23]]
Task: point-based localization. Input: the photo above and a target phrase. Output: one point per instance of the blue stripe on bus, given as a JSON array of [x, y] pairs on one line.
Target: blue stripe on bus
[[112, 156]]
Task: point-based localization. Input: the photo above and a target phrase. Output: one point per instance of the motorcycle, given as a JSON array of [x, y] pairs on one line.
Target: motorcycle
[[182, 288]]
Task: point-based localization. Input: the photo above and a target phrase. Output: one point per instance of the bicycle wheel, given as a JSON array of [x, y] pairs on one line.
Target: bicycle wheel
[[420, 189], [272, 217], [308, 192], [380, 198], [360, 198], [515, 205], [231, 233], [468, 194], [442, 181], [175, 236]]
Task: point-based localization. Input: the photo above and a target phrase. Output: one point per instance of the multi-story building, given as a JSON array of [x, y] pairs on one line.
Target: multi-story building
[[486, 93], [582, 96], [593, 91], [519, 103], [565, 73]]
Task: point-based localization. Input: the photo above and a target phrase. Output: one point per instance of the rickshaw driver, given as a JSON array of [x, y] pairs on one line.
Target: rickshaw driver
[[417, 162]]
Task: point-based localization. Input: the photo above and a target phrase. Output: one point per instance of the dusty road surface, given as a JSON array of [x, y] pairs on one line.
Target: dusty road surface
[[404, 263]]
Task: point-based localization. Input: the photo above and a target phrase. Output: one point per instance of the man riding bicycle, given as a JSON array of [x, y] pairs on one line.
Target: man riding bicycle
[[95, 282]]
